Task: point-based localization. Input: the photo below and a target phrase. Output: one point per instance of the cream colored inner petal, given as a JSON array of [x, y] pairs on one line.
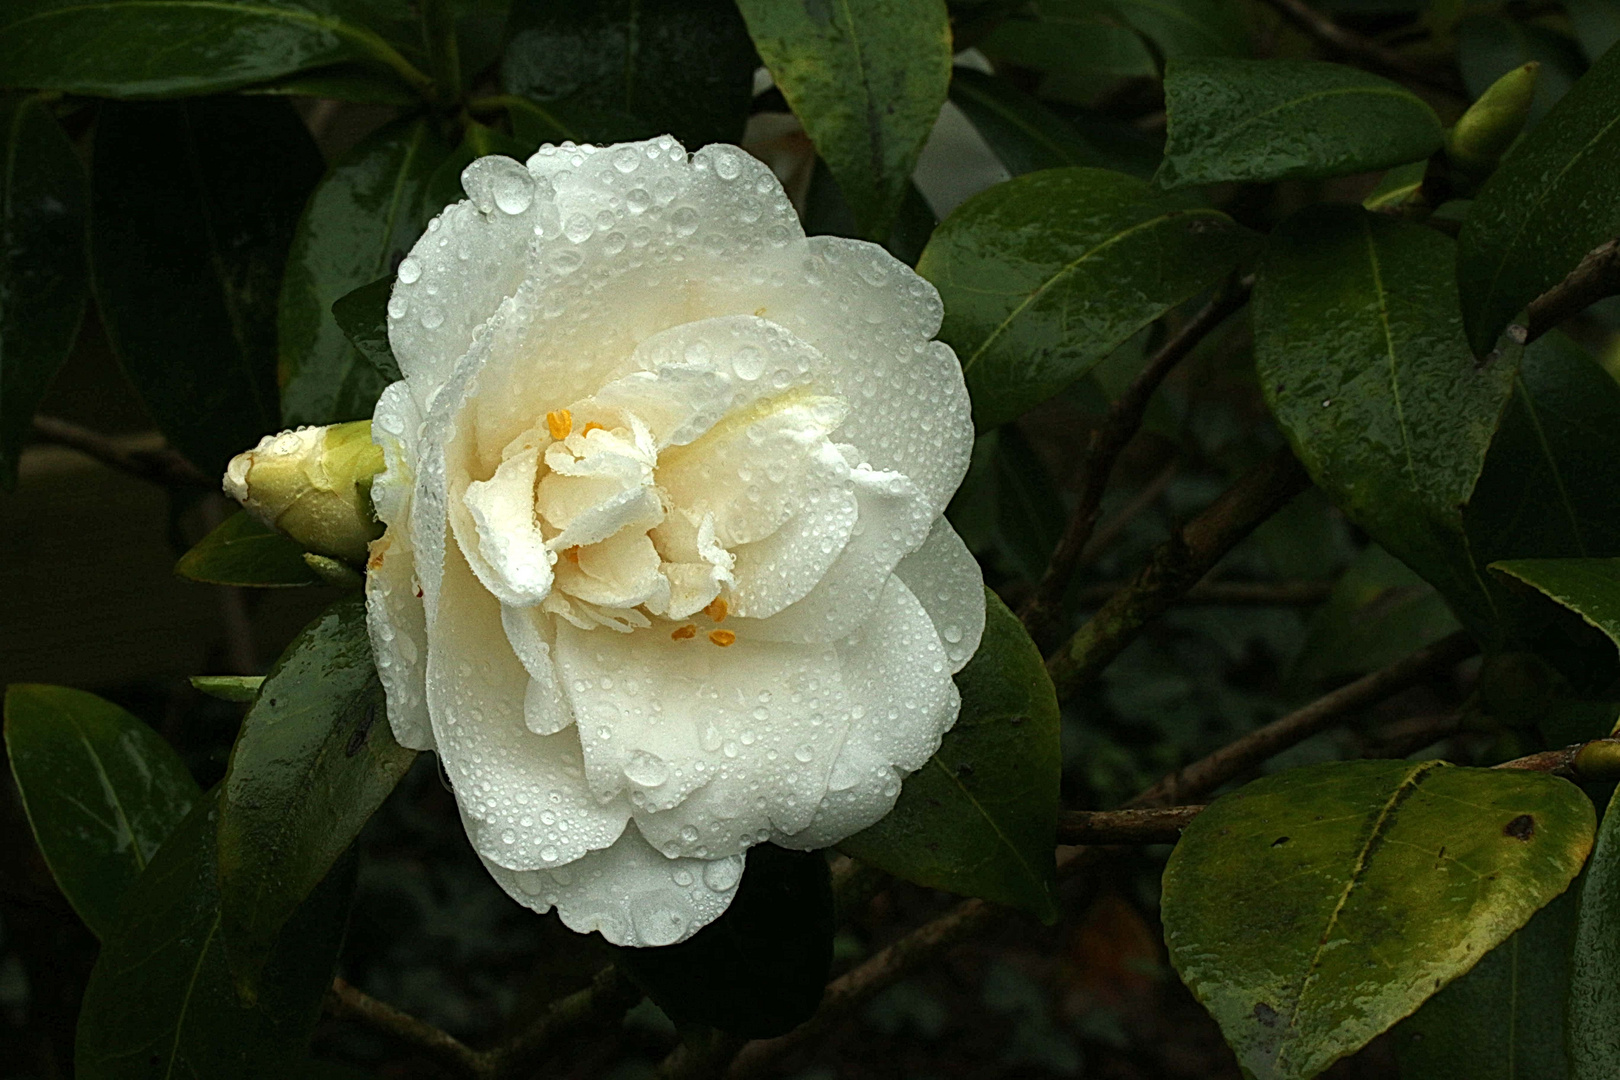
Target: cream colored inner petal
[[509, 537]]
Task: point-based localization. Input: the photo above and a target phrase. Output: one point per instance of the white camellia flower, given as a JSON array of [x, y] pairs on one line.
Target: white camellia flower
[[665, 574]]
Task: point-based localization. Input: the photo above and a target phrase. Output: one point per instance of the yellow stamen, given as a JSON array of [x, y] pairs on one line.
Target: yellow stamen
[[572, 554], [759, 313], [592, 426], [560, 423], [681, 633], [717, 610], [722, 638]]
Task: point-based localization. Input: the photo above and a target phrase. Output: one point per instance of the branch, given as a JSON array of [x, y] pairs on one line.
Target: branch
[[1234, 593], [1204, 776], [1597, 276], [1593, 761], [608, 997], [1354, 46], [350, 1003], [163, 466], [1160, 825], [1175, 567], [1108, 441]]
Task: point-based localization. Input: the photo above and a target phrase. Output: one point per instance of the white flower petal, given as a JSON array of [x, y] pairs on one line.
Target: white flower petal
[[755, 722], [522, 796], [875, 318], [529, 632], [895, 666], [945, 578], [629, 893], [395, 425], [508, 537], [397, 626]]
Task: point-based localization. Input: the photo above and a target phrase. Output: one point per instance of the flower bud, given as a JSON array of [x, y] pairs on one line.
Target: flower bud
[[314, 485], [1491, 124]]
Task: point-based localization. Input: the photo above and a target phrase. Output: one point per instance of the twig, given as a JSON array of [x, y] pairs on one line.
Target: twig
[[1143, 501], [348, 1002], [1175, 567], [1235, 593], [1356, 47], [163, 465], [607, 998], [1408, 736], [1108, 441], [1591, 761], [1204, 776], [1160, 825], [1597, 276]]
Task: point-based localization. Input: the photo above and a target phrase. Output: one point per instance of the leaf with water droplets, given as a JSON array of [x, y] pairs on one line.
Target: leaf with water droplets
[[980, 818], [314, 760]]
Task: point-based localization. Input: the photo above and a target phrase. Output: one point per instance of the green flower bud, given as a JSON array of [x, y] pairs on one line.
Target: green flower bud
[[1491, 124], [314, 484]]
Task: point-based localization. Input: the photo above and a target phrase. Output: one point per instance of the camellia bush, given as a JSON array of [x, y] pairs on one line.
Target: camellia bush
[[829, 486]]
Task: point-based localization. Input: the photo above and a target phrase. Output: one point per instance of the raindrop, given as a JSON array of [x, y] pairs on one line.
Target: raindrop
[[409, 270], [722, 875]]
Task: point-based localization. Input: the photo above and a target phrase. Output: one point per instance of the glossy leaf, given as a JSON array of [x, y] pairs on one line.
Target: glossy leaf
[[362, 219], [867, 79], [1046, 274], [1362, 359], [1549, 487], [1007, 510], [759, 969], [1187, 29], [1080, 47], [1312, 909], [1026, 136], [241, 689], [1588, 587], [169, 48], [1594, 982], [1281, 119], [101, 788], [677, 67], [1504, 1020], [244, 551], [980, 818], [1552, 200], [314, 760], [193, 205], [362, 315], [42, 270], [160, 1004]]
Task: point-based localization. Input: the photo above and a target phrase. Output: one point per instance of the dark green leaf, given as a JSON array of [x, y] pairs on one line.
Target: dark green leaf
[[1311, 910], [678, 67], [315, 759], [1550, 487], [1362, 359], [1025, 135], [42, 270], [1504, 1020], [362, 315], [341, 82], [867, 78], [980, 818], [1280, 119], [1552, 200], [1046, 274], [1594, 984], [759, 969], [362, 219], [1186, 29], [1081, 48], [1379, 611], [238, 688], [827, 213], [1588, 587], [102, 791], [244, 551], [193, 205], [168, 48], [160, 1004], [1007, 510]]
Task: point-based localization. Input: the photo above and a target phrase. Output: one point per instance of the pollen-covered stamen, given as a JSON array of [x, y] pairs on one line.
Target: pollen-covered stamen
[[560, 423], [683, 633], [717, 609], [593, 426], [722, 638]]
